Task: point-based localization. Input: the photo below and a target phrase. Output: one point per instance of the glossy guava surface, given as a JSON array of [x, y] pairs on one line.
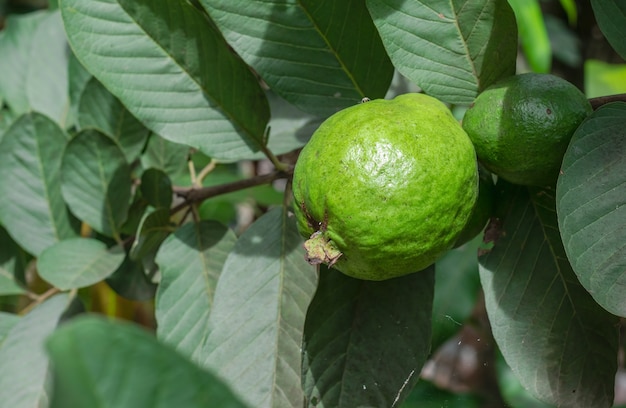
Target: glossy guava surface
[[522, 125], [383, 188]]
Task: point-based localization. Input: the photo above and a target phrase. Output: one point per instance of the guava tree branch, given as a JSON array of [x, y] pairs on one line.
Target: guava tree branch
[[193, 195], [603, 100]]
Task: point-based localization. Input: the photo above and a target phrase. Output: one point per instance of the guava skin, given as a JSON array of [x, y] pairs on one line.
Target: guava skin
[[388, 184]]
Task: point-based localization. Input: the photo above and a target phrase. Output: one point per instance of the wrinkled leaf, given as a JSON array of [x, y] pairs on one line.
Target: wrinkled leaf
[[256, 325], [592, 208], [78, 262], [166, 75], [533, 34], [560, 344], [34, 64], [156, 188], [32, 208], [611, 17], [24, 368], [118, 365], [153, 229], [321, 56], [190, 261], [96, 181], [365, 342], [99, 109], [449, 48]]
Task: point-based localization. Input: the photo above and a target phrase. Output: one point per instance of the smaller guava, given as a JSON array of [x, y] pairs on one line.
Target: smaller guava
[[384, 188]]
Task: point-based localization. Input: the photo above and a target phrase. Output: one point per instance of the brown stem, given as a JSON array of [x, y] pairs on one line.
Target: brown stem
[[603, 100], [195, 195]]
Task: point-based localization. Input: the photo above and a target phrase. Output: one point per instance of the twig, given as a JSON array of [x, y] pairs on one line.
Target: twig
[[603, 100]]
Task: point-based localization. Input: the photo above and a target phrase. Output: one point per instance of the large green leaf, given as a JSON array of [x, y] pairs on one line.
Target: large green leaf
[[256, 325], [592, 214], [96, 181], [172, 70], [78, 262], [24, 368], [611, 17], [365, 342], [32, 207], [558, 341], [99, 109], [99, 363], [451, 49], [321, 56], [7, 321], [34, 65], [190, 261]]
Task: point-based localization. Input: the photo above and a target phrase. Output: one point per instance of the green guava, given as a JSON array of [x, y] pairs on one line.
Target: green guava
[[384, 188]]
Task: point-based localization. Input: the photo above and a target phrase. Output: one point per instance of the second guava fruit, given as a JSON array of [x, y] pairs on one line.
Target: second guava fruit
[[522, 125], [384, 188]]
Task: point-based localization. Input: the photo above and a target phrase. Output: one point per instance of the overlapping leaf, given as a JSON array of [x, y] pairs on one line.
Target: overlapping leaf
[[320, 56], [78, 262], [558, 341], [257, 321], [96, 181], [12, 265], [91, 356], [154, 228], [452, 50], [172, 70], [24, 368], [365, 342], [592, 207], [32, 208], [611, 17], [190, 261]]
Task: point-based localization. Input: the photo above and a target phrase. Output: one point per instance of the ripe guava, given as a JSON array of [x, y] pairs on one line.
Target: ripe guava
[[522, 125], [384, 188]]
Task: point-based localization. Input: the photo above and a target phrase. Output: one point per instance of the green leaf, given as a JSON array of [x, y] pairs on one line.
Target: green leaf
[[320, 56], [533, 33], [167, 156], [24, 368], [7, 117], [12, 266], [560, 344], [34, 64], [164, 67], [257, 320], [7, 321], [611, 17], [427, 395], [131, 282], [78, 79], [99, 363], [603, 79], [512, 390], [99, 109], [591, 210], [32, 207], [365, 342], [190, 261], [452, 50], [457, 285], [96, 181], [156, 188], [78, 262], [153, 229]]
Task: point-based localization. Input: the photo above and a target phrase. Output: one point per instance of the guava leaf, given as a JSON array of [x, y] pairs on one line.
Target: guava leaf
[[12, 265], [533, 33], [7, 321], [99, 109], [78, 262], [32, 208], [452, 50], [131, 282], [34, 64], [611, 17], [154, 228], [164, 155], [91, 356], [591, 207], [365, 342], [190, 261], [156, 188], [558, 341], [321, 56], [256, 325], [96, 181], [166, 75], [24, 368]]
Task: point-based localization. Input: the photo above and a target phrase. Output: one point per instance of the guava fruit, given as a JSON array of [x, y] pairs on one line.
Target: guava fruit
[[522, 125], [383, 188]]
